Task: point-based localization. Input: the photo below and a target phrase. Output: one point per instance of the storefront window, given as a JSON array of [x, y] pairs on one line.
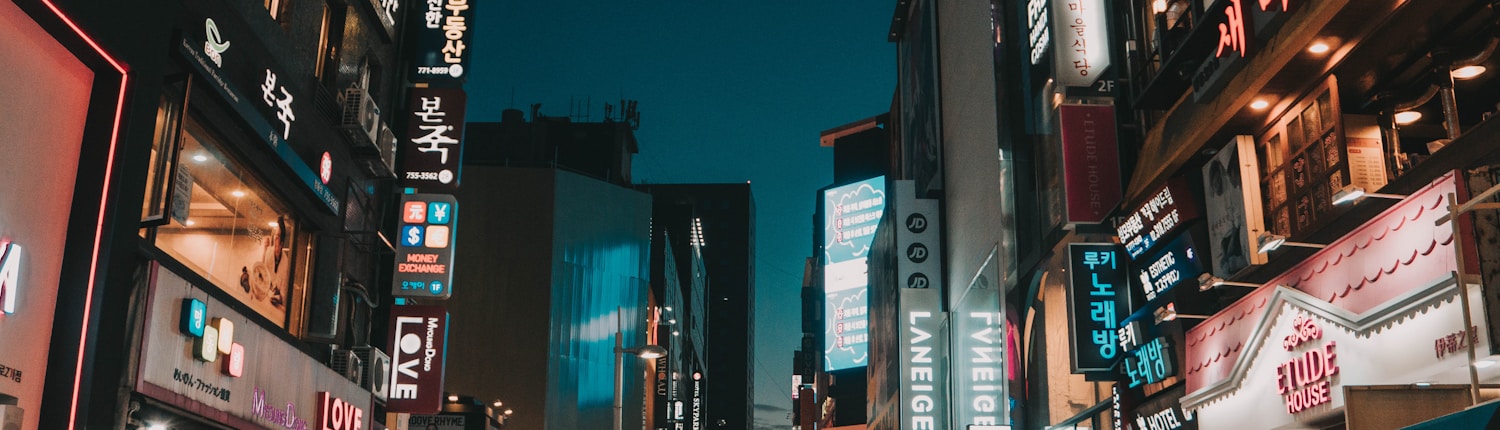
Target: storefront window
[[168, 120], [228, 227]]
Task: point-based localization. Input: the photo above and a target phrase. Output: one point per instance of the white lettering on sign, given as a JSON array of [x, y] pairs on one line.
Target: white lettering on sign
[[10, 276], [436, 132], [986, 375], [1041, 29], [282, 104], [336, 414], [214, 45], [1164, 420], [921, 377], [407, 345]]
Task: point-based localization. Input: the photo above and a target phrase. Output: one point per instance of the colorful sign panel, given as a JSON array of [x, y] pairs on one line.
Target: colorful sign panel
[[419, 345], [258, 381], [1080, 31], [851, 214], [443, 30], [1234, 210], [1151, 363], [924, 383], [432, 152], [1097, 300], [1165, 212], [424, 246], [1091, 161], [1175, 263]]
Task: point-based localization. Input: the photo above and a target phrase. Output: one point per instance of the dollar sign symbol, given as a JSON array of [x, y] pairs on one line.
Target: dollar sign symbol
[[412, 236]]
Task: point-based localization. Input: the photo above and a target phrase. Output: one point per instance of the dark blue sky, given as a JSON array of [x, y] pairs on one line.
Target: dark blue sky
[[728, 92]]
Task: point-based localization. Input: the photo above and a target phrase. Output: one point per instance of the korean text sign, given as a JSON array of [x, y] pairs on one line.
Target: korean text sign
[[443, 30], [852, 212], [432, 151], [424, 246], [1098, 298]]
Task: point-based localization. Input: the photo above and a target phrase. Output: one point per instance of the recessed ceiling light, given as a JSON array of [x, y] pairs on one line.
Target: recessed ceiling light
[[1468, 72], [1408, 117], [1318, 48], [189, 222], [1159, 6], [200, 158], [238, 193], [272, 224], [1260, 104]]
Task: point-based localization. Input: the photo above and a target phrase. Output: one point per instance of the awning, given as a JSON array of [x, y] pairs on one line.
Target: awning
[[1477, 417]]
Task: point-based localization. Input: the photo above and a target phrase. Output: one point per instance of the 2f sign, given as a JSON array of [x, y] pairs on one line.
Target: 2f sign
[[10, 275]]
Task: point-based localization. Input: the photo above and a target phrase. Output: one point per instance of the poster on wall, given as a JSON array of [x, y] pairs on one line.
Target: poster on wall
[[852, 213], [1234, 210]]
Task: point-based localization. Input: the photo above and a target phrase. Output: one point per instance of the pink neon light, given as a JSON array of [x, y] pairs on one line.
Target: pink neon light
[[109, 166]]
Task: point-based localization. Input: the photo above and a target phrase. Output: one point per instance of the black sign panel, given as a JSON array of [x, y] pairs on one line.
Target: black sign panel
[[1168, 209], [1097, 300], [1177, 262], [1163, 412], [419, 343], [432, 150], [424, 246], [442, 29]]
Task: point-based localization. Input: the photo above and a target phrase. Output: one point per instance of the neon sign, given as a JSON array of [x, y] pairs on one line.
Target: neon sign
[[212, 337], [336, 414], [1303, 380]]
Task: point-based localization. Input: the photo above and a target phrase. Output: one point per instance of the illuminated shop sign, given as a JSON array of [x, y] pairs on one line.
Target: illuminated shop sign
[[1040, 28], [1164, 412], [419, 341], [1131, 335], [1239, 23], [387, 11], [282, 415], [424, 246], [917, 238], [438, 422], [1175, 263], [1098, 299], [212, 337], [1168, 209], [250, 81], [1081, 34], [1303, 380], [1091, 162], [443, 29], [432, 152], [922, 347], [10, 276], [1149, 364], [336, 414], [851, 214]]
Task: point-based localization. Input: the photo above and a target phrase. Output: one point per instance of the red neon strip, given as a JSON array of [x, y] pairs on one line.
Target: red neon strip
[[109, 166]]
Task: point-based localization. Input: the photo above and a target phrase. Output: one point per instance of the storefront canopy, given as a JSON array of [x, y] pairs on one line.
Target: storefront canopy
[[1481, 416]]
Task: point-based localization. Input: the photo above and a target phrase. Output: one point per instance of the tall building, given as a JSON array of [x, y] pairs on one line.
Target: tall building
[[680, 278], [193, 213], [557, 268], [724, 216]]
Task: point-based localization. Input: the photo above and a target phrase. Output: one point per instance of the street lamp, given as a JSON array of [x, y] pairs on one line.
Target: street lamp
[[645, 351], [1454, 210]]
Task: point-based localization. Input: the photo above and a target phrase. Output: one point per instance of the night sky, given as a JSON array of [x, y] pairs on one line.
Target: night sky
[[727, 91]]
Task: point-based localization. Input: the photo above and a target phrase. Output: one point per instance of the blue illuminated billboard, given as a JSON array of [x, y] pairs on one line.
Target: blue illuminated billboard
[[851, 214]]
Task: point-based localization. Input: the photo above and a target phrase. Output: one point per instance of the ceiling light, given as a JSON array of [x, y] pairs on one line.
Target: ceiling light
[[1318, 48], [1159, 6], [238, 193], [200, 158], [1260, 104], [452, 398], [1408, 117], [1468, 72], [189, 222]]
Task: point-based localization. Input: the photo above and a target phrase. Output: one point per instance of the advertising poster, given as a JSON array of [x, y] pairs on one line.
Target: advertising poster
[[1234, 210], [852, 213]]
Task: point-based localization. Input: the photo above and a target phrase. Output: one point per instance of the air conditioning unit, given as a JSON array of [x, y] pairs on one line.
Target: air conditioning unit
[[347, 363], [383, 166], [377, 371], [361, 119], [11, 417]]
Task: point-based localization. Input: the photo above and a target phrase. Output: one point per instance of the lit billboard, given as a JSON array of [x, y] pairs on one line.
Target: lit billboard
[[851, 214]]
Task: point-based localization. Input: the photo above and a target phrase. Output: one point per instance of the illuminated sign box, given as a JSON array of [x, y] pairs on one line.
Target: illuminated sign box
[[419, 344], [1098, 298], [424, 246], [851, 214], [1175, 263], [431, 153], [1165, 212]]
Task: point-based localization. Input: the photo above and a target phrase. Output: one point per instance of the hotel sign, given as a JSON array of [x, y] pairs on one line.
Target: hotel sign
[[424, 246]]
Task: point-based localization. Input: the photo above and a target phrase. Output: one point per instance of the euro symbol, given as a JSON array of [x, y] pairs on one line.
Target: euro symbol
[[917, 253], [916, 223]]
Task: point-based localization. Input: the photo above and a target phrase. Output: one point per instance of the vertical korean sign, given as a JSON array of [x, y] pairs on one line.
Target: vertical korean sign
[[851, 214], [1081, 35], [419, 345], [1091, 162], [1098, 299], [424, 248], [442, 31], [432, 152]]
